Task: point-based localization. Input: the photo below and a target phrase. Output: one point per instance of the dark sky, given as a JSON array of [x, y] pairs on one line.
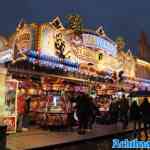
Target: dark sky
[[125, 18]]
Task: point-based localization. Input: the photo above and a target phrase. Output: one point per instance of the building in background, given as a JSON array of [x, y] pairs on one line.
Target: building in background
[[144, 47]]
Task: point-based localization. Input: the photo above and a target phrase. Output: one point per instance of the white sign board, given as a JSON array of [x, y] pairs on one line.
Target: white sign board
[[6, 56], [94, 41]]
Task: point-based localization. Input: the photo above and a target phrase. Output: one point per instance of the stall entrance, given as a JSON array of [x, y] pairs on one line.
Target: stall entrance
[[45, 102]]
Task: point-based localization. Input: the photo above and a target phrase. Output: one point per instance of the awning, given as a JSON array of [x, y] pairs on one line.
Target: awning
[[140, 94]]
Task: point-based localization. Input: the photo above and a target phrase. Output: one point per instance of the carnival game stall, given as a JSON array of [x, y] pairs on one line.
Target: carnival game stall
[[8, 94], [49, 63]]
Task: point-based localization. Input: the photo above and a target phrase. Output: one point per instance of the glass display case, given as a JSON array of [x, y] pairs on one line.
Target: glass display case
[[56, 105]]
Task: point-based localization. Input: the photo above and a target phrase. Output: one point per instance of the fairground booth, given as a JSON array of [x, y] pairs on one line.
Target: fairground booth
[[52, 64]]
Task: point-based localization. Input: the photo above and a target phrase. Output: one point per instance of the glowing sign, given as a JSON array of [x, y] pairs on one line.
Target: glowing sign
[[94, 41], [47, 37], [2, 94], [6, 56], [24, 39], [52, 62], [23, 42], [87, 55]]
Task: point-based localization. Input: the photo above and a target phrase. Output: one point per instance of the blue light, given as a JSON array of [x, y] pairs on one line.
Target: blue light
[[41, 56], [31, 59], [33, 54], [53, 62], [49, 58]]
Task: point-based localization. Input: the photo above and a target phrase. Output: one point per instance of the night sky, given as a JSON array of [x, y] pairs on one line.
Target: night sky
[[125, 18]]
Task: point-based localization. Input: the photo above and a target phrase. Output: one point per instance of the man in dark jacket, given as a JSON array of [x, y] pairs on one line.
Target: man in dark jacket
[[135, 116], [124, 108], [145, 110], [114, 111], [93, 111], [83, 110]]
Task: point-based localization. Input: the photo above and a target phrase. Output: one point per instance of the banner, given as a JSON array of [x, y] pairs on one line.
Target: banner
[[24, 41], [2, 94], [94, 41], [10, 99], [6, 56], [11, 123], [10, 105], [46, 42]]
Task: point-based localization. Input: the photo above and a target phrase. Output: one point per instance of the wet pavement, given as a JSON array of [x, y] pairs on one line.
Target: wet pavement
[[100, 138], [100, 144]]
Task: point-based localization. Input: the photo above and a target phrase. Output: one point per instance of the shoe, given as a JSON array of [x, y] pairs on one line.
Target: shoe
[[24, 129]]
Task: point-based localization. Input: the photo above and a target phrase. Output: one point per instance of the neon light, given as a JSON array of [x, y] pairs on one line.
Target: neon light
[[53, 62], [94, 41]]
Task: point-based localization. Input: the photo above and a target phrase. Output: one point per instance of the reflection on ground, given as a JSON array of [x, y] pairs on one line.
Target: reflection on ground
[[100, 144]]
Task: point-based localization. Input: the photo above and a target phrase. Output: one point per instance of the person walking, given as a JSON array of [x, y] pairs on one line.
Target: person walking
[[145, 111], [135, 116]]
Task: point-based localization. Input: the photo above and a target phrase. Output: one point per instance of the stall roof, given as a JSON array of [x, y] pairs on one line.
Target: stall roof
[[15, 70]]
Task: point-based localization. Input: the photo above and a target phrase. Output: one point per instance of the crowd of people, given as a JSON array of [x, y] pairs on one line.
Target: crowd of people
[[86, 110], [138, 114], [119, 110]]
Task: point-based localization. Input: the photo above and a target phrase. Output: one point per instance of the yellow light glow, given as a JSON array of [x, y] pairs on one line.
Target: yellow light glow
[[142, 62]]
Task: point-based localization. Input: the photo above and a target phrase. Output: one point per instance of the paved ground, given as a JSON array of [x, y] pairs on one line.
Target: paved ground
[[39, 138]]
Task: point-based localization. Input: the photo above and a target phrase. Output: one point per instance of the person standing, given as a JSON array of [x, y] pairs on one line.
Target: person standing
[[114, 111], [20, 110], [93, 111], [124, 108], [83, 109], [135, 116], [69, 111], [145, 111], [26, 117]]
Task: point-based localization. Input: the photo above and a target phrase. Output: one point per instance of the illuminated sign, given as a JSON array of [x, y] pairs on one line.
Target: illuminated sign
[[47, 38], [11, 123], [55, 43], [6, 56], [94, 41], [60, 45], [63, 45], [3, 43], [52, 62], [87, 54], [2, 94], [23, 42]]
